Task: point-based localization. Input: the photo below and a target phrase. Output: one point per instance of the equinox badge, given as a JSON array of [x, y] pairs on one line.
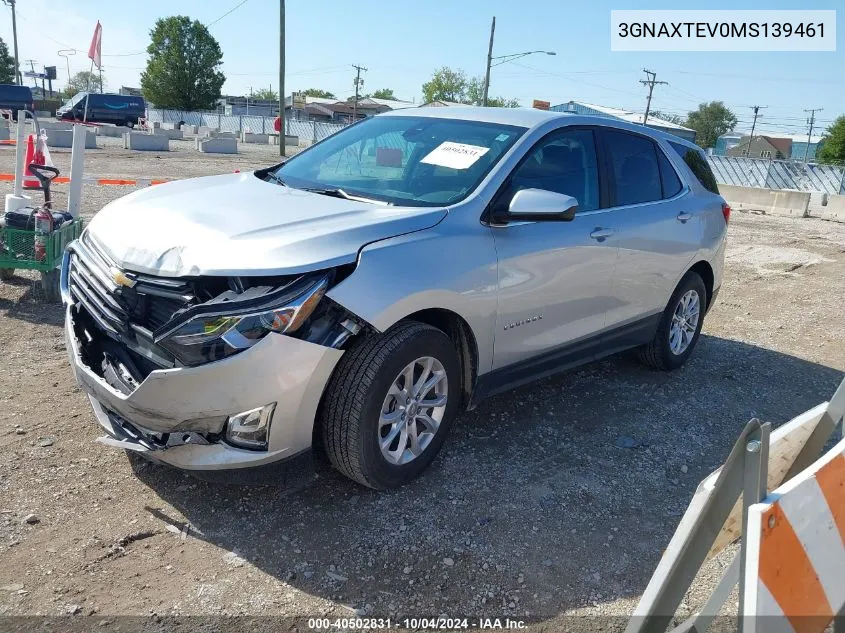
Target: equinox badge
[[510, 326]]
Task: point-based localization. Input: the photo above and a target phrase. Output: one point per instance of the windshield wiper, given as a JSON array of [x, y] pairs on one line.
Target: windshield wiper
[[274, 178], [337, 192]]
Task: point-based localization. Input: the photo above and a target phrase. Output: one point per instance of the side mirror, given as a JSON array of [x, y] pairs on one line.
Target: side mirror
[[539, 205]]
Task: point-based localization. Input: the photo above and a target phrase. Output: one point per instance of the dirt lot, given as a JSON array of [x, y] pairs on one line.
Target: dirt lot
[[534, 510]]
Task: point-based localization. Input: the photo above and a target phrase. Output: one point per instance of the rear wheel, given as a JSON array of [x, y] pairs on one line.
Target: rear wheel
[[390, 404], [680, 326], [6, 274]]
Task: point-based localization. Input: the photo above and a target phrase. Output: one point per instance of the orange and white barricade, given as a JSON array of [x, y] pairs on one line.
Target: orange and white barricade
[[795, 557], [786, 506]]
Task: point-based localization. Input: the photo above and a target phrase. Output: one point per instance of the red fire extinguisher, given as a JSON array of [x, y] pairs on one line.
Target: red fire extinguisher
[[43, 228]]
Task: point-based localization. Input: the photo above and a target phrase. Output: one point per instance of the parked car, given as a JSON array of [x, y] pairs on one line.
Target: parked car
[[94, 107], [14, 98], [357, 297]]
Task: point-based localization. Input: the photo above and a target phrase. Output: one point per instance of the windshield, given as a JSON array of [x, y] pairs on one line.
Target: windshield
[[417, 161], [79, 96]]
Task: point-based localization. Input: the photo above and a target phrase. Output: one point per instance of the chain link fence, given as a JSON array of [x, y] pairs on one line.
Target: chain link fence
[[778, 174], [307, 131]]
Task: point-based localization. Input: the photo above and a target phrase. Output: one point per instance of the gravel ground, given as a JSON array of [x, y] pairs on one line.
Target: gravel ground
[[534, 509]]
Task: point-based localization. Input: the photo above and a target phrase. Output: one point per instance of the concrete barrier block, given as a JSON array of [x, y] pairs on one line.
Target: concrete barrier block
[[154, 125], [833, 210], [53, 125], [291, 140], [247, 137], [169, 133], [204, 130], [770, 201], [190, 129], [219, 134], [4, 133], [111, 130], [146, 142], [217, 145], [64, 138]]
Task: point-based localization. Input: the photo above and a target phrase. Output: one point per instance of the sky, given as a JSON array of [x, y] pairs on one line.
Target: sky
[[401, 42]]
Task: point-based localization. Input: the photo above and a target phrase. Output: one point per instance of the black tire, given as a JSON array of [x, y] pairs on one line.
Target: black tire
[[658, 353], [130, 124], [50, 286], [349, 415], [6, 274]]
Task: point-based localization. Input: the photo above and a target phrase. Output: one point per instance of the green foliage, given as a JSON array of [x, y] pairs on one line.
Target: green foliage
[[384, 93], [453, 85], [666, 116], [832, 149], [265, 94], [83, 81], [319, 93], [710, 121], [183, 71], [7, 65]]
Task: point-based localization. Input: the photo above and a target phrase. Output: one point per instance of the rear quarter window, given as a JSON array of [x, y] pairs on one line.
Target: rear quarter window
[[697, 162]]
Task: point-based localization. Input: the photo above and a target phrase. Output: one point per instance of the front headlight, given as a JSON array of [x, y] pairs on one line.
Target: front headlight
[[215, 330]]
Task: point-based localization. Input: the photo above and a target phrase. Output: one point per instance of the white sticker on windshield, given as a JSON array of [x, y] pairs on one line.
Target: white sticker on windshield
[[455, 155]]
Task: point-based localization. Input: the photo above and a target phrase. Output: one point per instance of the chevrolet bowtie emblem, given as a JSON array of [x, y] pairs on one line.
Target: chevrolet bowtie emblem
[[121, 278]]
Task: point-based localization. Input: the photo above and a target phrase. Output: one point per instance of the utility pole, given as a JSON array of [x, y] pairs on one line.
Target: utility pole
[[651, 82], [31, 63], [18, 79], [282, 78], [756, 109], [358, 83], [811, 122], [489, 63]]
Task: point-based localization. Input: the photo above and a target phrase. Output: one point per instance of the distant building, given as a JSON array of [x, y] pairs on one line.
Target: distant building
[[307, 108], [776, 146], [579, 107], [762, 147]]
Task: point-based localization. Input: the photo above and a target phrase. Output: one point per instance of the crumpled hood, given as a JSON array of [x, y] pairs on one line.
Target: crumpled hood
[[238, 224]]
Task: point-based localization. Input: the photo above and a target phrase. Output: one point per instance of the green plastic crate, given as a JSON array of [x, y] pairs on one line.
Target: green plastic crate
[[17, 247]]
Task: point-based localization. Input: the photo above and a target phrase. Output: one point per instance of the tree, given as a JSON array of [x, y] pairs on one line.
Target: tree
[[710, 121], [265, 94], [183, 71], [666, 116], [453, 85], [7, 65], [83, 81], [317, 92], [445, 85], [384, 93], [832, 149]]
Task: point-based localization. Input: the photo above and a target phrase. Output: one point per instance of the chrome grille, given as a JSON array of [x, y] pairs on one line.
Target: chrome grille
[[149, 304]]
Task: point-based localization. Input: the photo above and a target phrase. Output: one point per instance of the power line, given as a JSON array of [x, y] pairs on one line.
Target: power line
[[237, 6], [650, 82]]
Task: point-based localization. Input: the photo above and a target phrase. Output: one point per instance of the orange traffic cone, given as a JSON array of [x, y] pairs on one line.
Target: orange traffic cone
[[30, 181]]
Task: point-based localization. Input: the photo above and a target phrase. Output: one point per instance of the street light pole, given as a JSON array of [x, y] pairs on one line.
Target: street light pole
[[489, 63], [282, 78], [18, 80]]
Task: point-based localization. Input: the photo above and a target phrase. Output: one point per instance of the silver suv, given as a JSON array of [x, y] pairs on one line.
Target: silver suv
[[356, 298]]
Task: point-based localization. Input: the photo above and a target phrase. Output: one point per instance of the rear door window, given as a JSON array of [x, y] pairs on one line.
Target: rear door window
[[668, 176], [634, 168], [696, 160]]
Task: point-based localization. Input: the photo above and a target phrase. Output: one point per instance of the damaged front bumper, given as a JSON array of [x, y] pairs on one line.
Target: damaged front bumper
[[178, 416]]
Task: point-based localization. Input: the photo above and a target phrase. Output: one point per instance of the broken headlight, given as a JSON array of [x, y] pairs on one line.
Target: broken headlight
[[231, 323]]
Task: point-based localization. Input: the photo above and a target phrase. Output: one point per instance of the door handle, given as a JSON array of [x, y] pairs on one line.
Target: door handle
[[683, 216], [601, 234]]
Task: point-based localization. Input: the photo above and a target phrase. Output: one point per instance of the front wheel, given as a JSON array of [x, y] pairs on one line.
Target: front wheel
[[680, 326], [390, 404]]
